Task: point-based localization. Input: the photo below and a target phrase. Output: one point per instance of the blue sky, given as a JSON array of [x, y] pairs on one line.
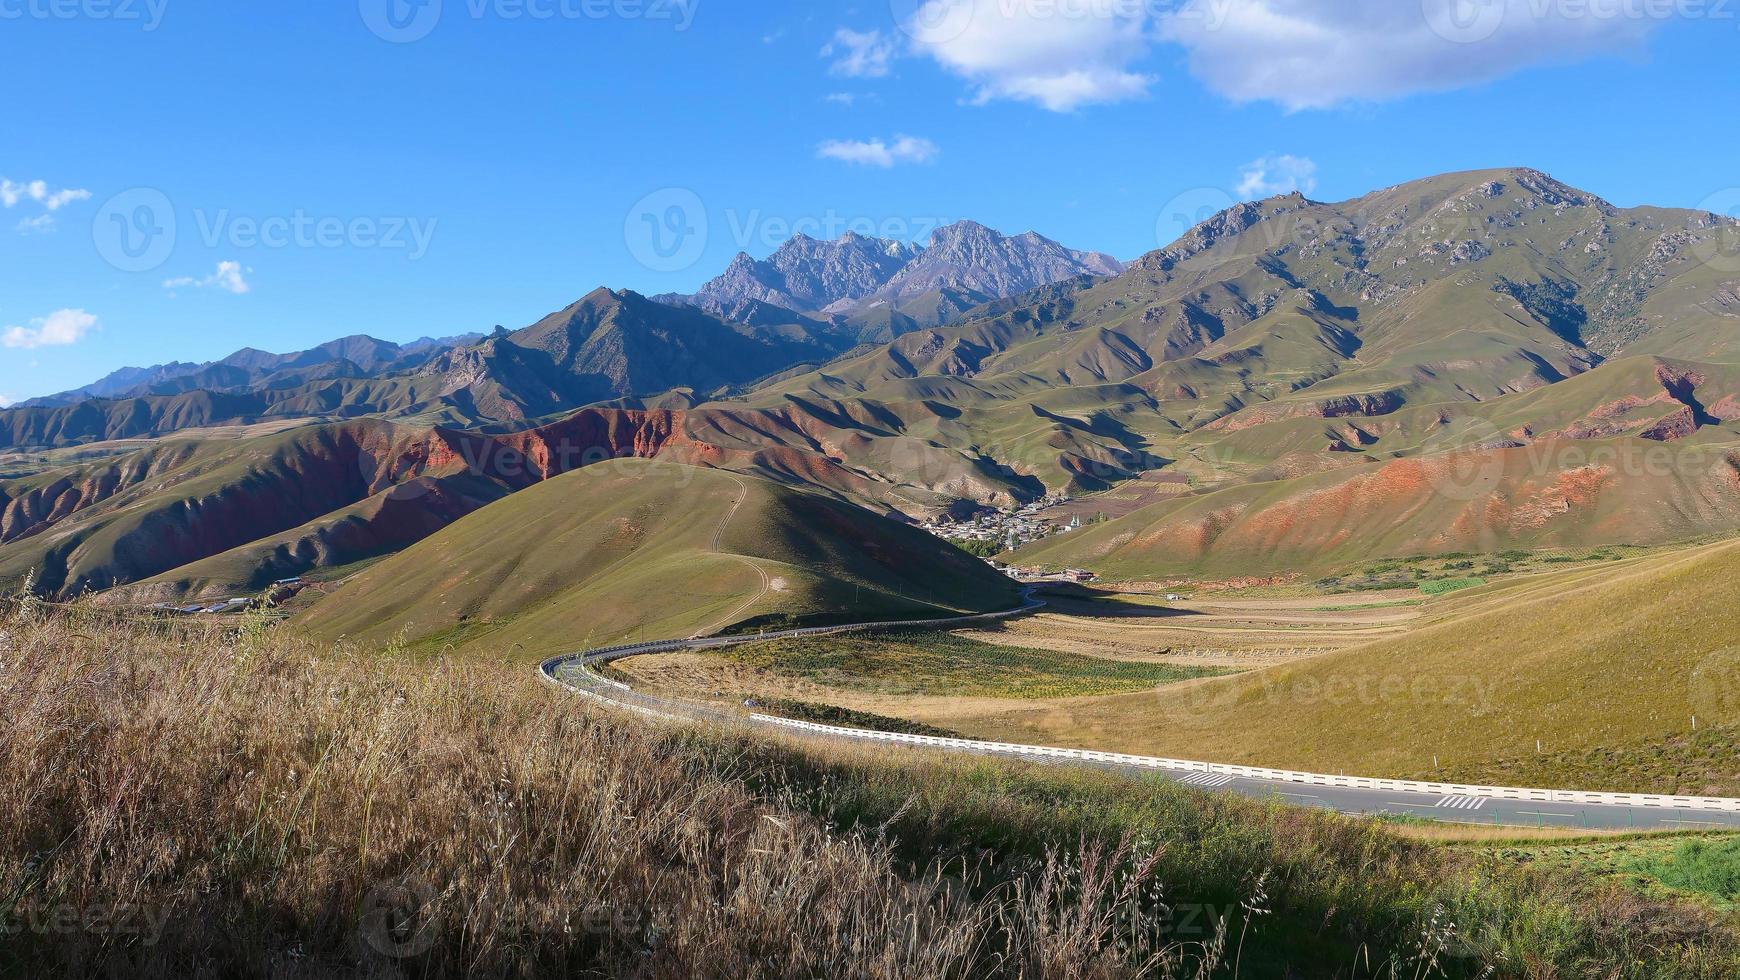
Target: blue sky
[[370, 166]]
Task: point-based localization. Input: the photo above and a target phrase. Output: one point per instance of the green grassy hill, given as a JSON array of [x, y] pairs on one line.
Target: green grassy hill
[[1618, 657], [614, 550]]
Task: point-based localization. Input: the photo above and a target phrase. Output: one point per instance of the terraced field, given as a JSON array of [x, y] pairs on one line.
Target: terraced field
[[1222, 631]]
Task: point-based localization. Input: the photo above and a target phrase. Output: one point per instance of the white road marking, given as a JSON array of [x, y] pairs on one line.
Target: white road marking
[[1461, 803], [1206, 780]]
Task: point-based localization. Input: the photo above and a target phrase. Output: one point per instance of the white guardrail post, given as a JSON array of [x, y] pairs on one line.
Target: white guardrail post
[[551, 668]]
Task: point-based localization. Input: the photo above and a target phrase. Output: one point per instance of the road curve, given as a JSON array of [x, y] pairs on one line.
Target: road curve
[[1448, 803]]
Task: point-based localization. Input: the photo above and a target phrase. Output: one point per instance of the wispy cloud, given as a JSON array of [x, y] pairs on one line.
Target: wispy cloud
[[51, 198], [230, 277], [37, 225], [859, 54], [879, 153], [61, 328], [1273, 175]]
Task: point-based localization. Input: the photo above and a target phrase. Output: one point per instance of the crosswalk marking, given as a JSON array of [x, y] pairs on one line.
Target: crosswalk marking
[[1206, 780], [1461, 803]]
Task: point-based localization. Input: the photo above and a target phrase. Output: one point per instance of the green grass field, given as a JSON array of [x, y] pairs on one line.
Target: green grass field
[[922, 663], [1698, 867], [829, 714]]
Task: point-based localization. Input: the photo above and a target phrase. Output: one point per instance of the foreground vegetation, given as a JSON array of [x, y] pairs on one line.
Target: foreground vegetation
[[1705, 866], [179, 804]]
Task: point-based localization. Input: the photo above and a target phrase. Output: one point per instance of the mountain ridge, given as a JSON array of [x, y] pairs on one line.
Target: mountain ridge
[[966, 262], [1285, 364]]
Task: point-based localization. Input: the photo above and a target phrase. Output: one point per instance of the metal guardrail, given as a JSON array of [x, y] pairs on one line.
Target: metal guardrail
[[624, 696], [1270, 775]]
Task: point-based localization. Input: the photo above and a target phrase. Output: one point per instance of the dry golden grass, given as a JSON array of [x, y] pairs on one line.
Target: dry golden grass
[[176, 804], [258, 807]]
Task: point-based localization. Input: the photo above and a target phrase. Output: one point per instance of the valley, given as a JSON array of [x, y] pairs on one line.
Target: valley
[[1303, 442], [957, 489]]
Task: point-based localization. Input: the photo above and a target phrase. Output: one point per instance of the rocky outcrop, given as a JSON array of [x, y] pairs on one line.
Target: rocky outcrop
[[966, 261], [808, 275], [1347, 406]]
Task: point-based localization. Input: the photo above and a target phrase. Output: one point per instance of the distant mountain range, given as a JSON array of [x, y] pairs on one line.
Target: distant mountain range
[[1472, 363], [356, 356], [757, 321]]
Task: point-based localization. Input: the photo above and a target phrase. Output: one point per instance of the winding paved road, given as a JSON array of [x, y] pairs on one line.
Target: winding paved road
[[1445, 803]]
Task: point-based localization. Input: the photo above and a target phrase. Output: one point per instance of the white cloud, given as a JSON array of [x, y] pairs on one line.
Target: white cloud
[[1301, 54], [51, 199], [7, 401], [59, 329], [39, 224], [1274, 175], [1314, 54], [859, 54], [229, 277], [840, 98], [1060, 54], [877, 153]]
